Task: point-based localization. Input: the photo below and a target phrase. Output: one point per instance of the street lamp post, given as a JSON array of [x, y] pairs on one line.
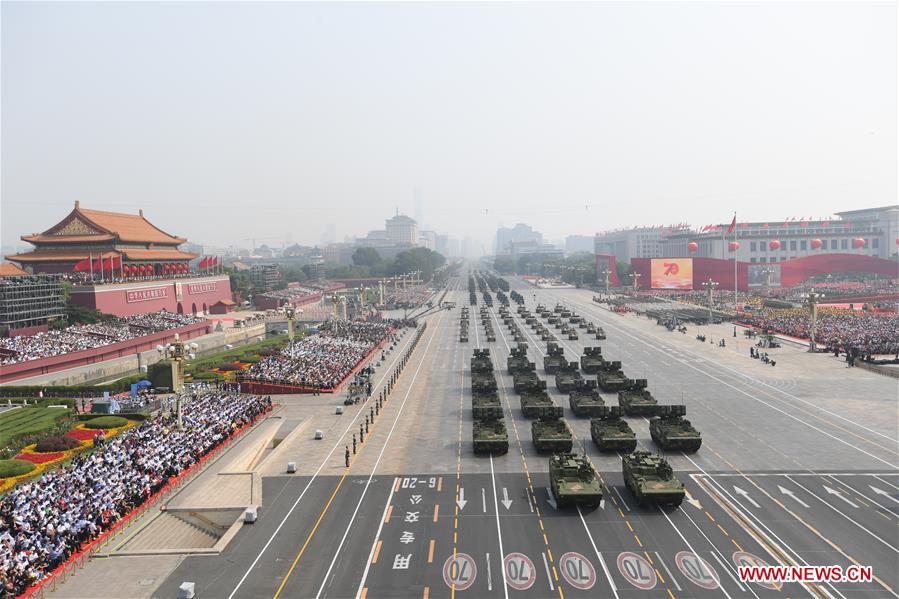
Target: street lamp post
[[177, 351], [710, 286], [636, 280], [291, 315], [813, 318]]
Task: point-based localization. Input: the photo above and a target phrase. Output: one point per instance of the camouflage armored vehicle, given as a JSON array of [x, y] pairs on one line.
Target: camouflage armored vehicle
[[600, 333], [572, 335], [550, 433], [591, 360], [480, 361], [565, 314], [554, 320], [567, 377], [573, 481], [527, 380], [610, 376], [584, 399], [490, 436], [463, 336], [554, 359], [531, 320], [547, 336], [670, 430], [610, 432], [534, 403], [483, 382], [546, 314], [591, 328], [582, 324], [486, 405], [558, 308], [636, 400], [651, 480], [574, 318], [540, 308], [518, 361], [565, 329]]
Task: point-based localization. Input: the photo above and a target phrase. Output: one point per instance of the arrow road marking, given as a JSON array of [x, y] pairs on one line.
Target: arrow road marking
[[550, 499], [506, 501], [786, 491], [461, 501], [746, 496], [840, 495], [694, 502], [884, 493]]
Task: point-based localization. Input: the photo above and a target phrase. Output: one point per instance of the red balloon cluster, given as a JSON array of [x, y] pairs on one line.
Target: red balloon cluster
[[816, 244], [692, 247], [858, 243], [774, 244], [733, 246]]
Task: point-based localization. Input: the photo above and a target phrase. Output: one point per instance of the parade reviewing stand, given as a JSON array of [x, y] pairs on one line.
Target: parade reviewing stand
[[319, 362], [47, 520]]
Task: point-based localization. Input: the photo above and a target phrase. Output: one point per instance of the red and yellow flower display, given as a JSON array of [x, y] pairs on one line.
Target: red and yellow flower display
[[43, 460]]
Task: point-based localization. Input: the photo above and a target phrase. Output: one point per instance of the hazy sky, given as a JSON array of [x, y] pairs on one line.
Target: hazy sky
[[225, 121]]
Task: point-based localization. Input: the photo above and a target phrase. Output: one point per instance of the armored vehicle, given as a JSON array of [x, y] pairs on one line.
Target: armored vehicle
[[565, 329], [554, 359], [651, 480], [558, 308], [463, 337], [582, 324], [636, 400], [534, 403], [610, 432], [573, 481], [564, 314], [530, 320], [527, 380], [670, 430], [600, 333], [550, 433], [591, 328], [591, 360], [567, 377], [490, 436], [584, 399], [480, 361], [547, 336], [572, 335], [540, 308], [611, 378], [574, 318], [554, 320], [483, 382], [486, 405]]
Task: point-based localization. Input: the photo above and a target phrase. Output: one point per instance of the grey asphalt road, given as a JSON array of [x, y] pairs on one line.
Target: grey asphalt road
[[798, 467]]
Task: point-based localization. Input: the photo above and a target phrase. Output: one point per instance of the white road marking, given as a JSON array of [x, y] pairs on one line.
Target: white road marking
[[877, 476], [729, 573], [351, 425], [489, 575], [484, 500], [602, 562], [880, 491], [687, 543], [745, 494], [790, 493], [839, 495], [461, 502], [851, 489], [499, 532], [620, 498], [845, 516], [507, 503], [716, 550], [371, 554], [670, 575], [548, 577], [530, 503]]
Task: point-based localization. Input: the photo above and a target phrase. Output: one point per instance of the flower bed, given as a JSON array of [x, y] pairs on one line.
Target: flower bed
[[41, 458], [83, 434]]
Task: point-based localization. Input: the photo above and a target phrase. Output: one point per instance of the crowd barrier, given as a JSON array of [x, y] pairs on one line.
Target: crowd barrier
[[77, 560]]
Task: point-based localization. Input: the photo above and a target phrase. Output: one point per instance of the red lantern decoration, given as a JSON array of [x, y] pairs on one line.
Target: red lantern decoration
[[184, 267], [692, 247], [816, 244], [774, 245], [858, 243], [733, 246]]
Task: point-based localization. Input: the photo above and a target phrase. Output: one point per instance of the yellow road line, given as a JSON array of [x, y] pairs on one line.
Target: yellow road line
[[374, 558], [425, 594], [436, 511], [363, 593], [431, 551], [389, 513]]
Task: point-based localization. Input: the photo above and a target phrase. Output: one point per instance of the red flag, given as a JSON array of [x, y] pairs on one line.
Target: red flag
[[98, 264], [204, 262], [215, 261], [733, 224], [82, 265]]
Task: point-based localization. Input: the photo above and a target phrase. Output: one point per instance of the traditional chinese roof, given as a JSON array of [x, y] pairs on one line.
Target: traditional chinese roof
[[44, 255], [91, 226], [10, 270]]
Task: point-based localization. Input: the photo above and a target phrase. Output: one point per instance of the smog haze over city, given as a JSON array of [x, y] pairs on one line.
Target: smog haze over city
[[232, 121]]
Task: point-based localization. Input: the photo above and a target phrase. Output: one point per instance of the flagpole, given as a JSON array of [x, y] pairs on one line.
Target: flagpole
[[90, 257], [736, 250]]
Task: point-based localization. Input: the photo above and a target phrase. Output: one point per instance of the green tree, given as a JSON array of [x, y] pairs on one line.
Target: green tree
[[423, 259], [367, 256]]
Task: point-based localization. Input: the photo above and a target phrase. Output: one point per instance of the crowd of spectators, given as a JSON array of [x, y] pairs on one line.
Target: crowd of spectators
[[411, 297], [43, 522], [88, 336], [324, 359], [863, 333]]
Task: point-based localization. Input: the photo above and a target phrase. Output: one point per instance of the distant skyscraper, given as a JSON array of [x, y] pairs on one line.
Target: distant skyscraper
[[520, 233], [329, 235], [419, 208]]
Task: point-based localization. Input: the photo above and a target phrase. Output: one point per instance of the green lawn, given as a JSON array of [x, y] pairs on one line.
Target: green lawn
[[23, 421]]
